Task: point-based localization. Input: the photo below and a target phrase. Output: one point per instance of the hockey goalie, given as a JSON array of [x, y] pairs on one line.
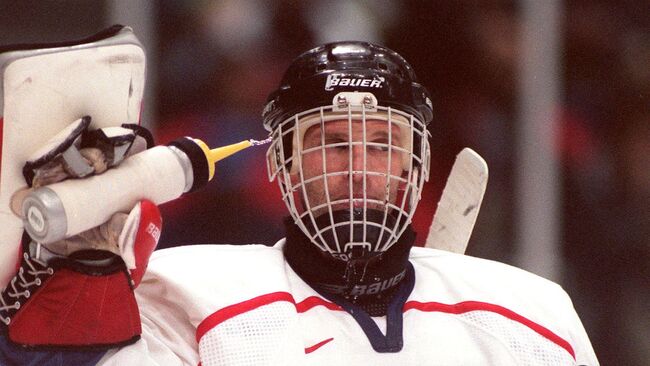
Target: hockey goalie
[[346, 286]]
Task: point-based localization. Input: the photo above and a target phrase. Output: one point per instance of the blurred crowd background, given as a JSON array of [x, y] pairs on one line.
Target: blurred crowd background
[[213, 63]]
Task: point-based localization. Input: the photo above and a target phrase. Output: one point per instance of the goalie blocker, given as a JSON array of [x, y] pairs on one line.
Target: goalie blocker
[[53, 300], [46, 87]]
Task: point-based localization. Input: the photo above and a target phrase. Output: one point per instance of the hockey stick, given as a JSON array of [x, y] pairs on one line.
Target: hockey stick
[[459, 204]]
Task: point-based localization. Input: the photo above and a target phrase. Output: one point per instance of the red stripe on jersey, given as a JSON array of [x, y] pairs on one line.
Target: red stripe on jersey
[[233, 310], [313, 301], [467, 306]]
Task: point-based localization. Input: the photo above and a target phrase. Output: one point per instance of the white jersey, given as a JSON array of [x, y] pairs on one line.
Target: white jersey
[[244, 305]]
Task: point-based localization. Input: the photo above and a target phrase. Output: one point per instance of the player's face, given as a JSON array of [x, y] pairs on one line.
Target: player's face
[[337, 169]]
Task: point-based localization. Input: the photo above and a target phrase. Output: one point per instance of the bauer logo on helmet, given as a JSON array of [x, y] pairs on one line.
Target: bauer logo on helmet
[[335, 79]]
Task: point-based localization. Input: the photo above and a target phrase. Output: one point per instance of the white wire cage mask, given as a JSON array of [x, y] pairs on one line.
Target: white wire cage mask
[[349, 174]]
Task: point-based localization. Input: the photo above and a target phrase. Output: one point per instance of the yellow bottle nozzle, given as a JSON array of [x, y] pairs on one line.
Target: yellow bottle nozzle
[[225, 151], [214, 155]]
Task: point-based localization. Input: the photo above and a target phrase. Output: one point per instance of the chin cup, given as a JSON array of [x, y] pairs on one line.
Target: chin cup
[[355, 234]]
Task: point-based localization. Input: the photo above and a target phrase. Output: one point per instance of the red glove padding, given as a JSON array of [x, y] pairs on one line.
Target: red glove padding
[[139, 238], [80, 301]]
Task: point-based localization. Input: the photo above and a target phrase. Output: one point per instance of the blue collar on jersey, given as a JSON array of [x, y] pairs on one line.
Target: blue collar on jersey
[[393, 340]]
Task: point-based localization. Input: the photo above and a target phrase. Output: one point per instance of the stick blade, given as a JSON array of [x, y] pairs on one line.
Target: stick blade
[[459, 204]]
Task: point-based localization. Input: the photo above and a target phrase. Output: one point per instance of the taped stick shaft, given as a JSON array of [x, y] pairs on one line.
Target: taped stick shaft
[[459, 204]]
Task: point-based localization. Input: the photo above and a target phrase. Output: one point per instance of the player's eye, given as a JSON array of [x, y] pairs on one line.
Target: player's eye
[[379, 145], [336, 143]]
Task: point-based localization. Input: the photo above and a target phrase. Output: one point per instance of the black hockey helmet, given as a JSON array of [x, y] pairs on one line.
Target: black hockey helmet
[[316, 76]]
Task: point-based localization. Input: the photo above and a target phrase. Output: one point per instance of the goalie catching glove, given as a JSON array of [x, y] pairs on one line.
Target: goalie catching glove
[[79, 291]]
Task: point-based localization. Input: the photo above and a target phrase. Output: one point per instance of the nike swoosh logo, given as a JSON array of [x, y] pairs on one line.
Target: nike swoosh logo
[[318, 345]]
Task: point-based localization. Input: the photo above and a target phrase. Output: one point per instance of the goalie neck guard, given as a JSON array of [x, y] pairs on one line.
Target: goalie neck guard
[[46, 87], [350, 146]]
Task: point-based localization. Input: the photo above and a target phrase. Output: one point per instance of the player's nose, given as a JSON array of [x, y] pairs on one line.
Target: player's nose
[[358, 163]]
